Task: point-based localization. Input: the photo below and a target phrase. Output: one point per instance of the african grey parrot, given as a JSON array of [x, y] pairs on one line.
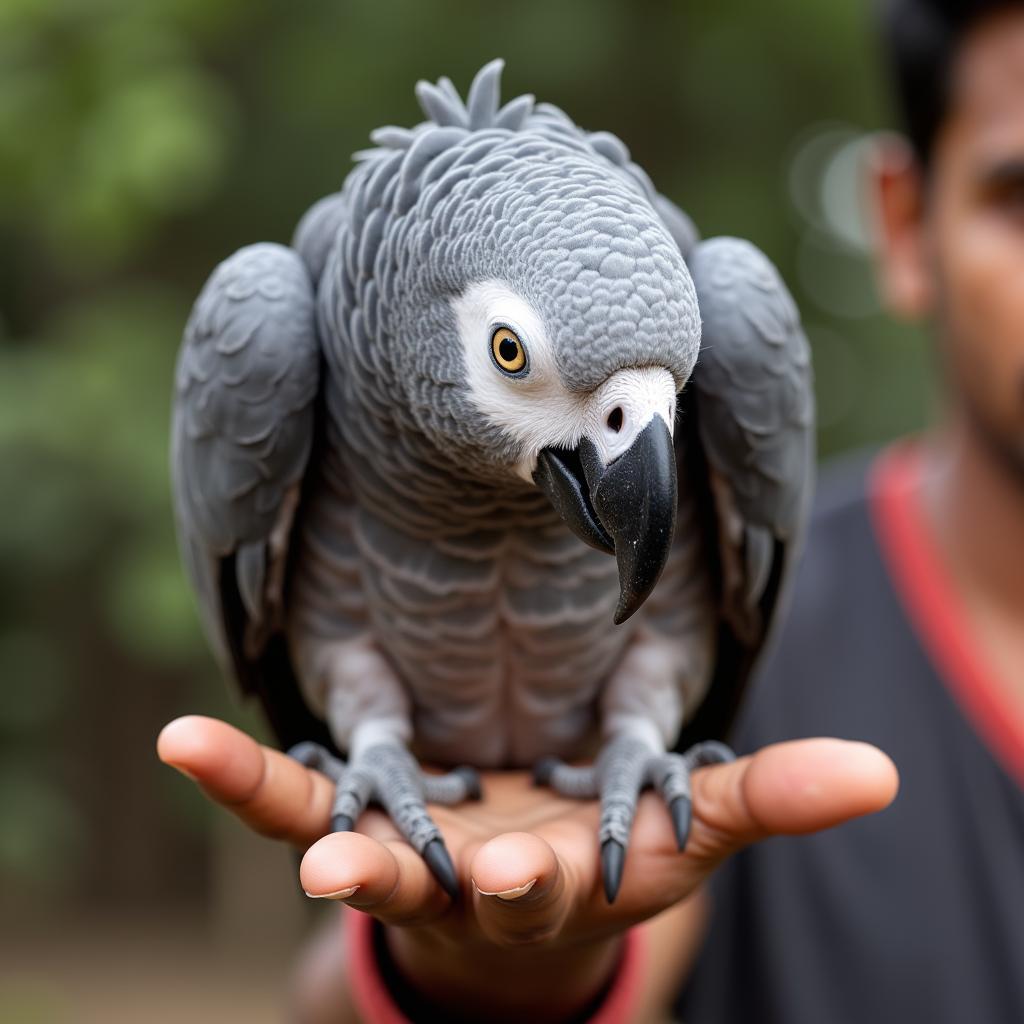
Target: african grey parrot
[[404, 447]]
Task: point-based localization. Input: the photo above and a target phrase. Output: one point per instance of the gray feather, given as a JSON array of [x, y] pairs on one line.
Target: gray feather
[[318, 231], [242, 424], [513, 115], [753, 379], [251, 571], [611, 147], [758, 552], [755, 406], [440, 107], [680, 226], [444, 83], [392, 137], [484, 93]]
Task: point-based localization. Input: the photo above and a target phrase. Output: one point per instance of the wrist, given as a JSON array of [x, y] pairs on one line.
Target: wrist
[[485, 981], [402, 975]]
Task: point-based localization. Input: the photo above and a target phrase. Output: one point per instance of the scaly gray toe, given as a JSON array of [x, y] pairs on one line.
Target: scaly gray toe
[[313, 755], [474, 791], [544, 769]]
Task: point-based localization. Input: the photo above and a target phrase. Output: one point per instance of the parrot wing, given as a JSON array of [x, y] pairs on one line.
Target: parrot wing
[[748, 429], [242, 428], [318, 231]]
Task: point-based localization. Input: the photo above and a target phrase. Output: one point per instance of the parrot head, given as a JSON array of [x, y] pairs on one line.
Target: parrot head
[[545, 324]]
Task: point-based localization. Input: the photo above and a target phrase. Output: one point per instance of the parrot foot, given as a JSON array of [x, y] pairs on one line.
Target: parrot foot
[[389, 775], [624, 766]]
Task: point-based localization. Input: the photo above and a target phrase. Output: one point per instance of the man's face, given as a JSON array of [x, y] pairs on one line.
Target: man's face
[[972, 233]]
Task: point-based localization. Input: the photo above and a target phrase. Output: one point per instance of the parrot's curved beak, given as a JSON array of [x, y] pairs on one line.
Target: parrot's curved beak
[[627, 508]]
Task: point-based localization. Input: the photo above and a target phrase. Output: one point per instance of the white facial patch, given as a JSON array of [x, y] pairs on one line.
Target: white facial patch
[[625, 403], [534, 409]]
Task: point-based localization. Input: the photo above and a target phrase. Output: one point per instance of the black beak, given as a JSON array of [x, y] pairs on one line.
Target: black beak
[[627, 508]]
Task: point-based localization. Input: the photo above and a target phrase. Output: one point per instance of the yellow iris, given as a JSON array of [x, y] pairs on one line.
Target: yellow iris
[[508, 350]]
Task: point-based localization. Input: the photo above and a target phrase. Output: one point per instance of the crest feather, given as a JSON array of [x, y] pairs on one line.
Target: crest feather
[[484, 94], [390, 136], [444, 107], [441, 108], [444, 83], [514, 114]]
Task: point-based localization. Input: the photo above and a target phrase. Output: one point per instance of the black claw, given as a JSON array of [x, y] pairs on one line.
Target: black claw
[[472, 778], [681, 809], [543, 770], [435, 853], [613, 857], [342, 823], [711, 752]]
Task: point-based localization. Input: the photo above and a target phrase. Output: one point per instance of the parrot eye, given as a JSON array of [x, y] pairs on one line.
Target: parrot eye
[[508, 351]]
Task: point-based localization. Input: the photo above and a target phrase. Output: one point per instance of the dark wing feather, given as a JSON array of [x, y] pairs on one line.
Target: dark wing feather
[[749, 413], [242, 428]]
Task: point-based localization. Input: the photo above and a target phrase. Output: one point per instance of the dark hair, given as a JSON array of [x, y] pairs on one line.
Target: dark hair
[[922, 38]]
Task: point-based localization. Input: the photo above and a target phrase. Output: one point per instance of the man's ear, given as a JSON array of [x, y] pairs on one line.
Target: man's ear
[[896, 194]]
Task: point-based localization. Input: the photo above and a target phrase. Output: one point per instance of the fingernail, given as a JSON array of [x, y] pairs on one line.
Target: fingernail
[[340, 894], [509, 894], [184, 771]]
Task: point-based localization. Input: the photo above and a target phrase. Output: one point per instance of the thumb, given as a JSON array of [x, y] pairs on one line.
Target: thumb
[[787, 789]]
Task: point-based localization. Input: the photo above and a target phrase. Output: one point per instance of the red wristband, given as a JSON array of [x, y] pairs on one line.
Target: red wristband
[[374, 1003]]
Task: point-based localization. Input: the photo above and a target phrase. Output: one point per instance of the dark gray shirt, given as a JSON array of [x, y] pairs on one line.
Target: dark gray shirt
[[916, 913]]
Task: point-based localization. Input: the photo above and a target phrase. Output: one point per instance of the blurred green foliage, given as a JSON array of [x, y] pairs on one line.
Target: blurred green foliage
[[142, 142], [108, 123]]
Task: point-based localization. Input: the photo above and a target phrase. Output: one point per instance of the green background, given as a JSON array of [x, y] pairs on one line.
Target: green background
[[140, 143]]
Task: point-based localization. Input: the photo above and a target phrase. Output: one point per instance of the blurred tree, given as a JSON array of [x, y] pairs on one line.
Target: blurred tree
[[142, 143]]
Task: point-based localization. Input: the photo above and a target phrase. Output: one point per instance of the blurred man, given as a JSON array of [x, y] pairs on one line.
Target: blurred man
[[906, 631], [907, 628]]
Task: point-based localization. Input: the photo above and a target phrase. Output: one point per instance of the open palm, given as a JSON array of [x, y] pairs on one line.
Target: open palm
[[527, 859]]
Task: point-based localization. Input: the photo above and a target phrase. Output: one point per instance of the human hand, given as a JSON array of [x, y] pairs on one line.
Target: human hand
[[528, 859]]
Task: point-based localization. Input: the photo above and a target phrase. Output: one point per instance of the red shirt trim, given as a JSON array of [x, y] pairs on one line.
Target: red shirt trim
[[374, 1004], [372, 1000], [929, 594]]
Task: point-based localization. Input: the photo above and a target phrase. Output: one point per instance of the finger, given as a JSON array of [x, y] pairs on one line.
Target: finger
[[789, 788], [269, 791], [388, 880], [521, 889]]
